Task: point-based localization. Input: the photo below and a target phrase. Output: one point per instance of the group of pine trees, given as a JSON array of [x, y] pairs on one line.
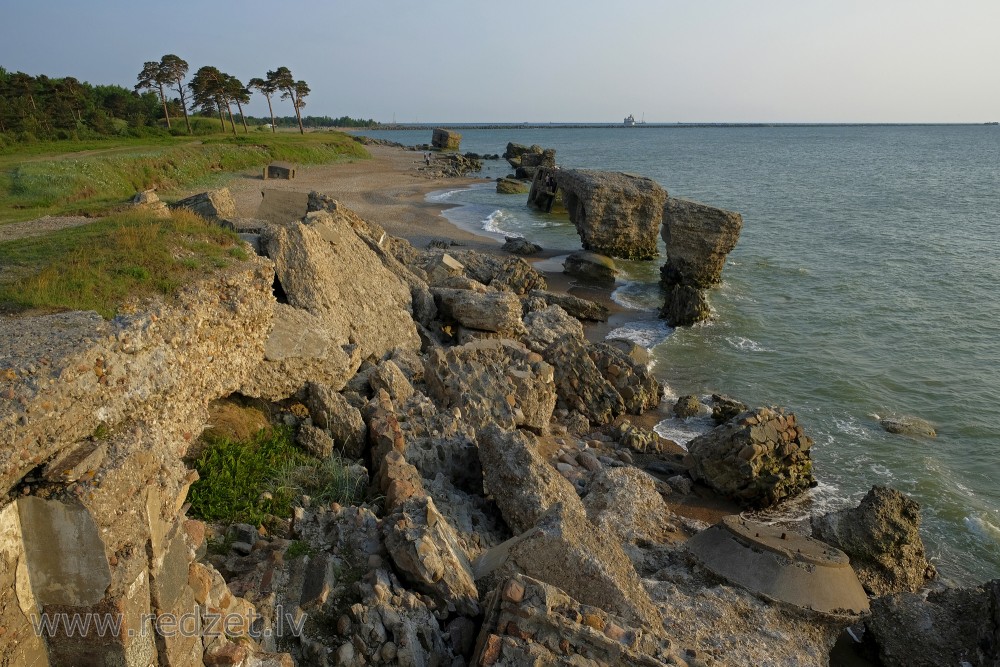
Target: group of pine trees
[[214, 91], [39, 107]]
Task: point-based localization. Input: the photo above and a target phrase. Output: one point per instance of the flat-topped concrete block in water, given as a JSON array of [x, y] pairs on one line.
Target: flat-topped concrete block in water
[[780, 565]]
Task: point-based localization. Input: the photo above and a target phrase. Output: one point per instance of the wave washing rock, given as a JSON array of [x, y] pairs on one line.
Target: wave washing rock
[[698, 239], [882, 537], [591, 267], [512, 186], [759, 458], [615, 214], [908, 425]]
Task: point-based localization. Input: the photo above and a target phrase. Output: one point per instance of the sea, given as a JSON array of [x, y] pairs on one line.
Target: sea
[[865, 284]]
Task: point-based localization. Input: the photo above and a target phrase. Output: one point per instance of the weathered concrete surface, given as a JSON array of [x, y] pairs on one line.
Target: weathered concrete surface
[[447, 140], [591, 267], [615, 214], [211, 205], [781, 565], [493, 380], [282, 207], [956, 626], [698, 239], [530, 622]]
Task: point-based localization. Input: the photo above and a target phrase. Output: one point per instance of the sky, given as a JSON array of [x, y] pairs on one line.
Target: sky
[[548, 60]]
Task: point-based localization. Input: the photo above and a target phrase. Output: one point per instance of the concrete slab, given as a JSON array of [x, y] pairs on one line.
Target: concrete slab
[[781, 565], [282, 207]]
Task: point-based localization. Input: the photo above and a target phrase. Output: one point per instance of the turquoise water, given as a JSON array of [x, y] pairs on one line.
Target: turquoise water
[[866, 282]]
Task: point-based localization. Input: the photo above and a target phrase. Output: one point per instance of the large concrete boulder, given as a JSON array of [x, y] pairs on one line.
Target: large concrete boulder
[[512, 186], [325, 268], [493, 380], [212, 205], [758, 458], [698, 239], [955, 626], [446, 140], [633, 381], [508, 274], [565, 550], [521, 481], [487, 311], [581, 309], [591, 267], [615, 214], [882, 537], [530, 622], [331, 411]]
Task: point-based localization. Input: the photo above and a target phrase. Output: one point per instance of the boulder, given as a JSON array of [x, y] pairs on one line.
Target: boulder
[[300, 348], [698, 239], [520, 246], [512, 186], [531, 162], [343, 282], [954, 626], [314, 440], [908, 425], [425, 549], [487, 311], [633, 381], [148, 201], [565, 550], [521, 481], [581, 309], [331, 411], [529, 621], [882, 537], [687, 406], [615, 214], [550, 325], [493, 380], [212, 205], [758, 458], [446, 140], [624, 503], [591, 267], [507, 274], [725, 408], [580, 384], [389, 377]]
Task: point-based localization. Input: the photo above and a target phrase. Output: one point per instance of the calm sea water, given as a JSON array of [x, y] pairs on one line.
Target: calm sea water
[[866, 283]]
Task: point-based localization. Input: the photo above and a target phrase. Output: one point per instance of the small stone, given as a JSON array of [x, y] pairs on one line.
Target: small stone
[[345, 654], [513, 591], [242, 548], [589, 461], [593, 621]]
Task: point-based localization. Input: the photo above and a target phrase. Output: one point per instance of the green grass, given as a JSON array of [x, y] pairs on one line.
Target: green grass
[[125, 258], [89, 177], [234, 476]]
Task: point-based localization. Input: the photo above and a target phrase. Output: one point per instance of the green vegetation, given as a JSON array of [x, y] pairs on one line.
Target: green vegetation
[[298, 548], [101, 266], [250, 480], [51, 183]]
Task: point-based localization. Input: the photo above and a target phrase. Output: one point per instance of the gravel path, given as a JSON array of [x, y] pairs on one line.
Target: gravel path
[[28, 228]]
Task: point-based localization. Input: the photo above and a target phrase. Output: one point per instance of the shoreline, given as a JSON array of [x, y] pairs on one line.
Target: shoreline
[[390, 191]]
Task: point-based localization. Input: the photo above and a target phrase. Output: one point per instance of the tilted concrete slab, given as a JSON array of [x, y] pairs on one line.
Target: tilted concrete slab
[[282, 207], [781, 565]]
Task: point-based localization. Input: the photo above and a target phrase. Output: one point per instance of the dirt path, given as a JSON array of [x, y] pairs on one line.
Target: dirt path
[[21, 230]]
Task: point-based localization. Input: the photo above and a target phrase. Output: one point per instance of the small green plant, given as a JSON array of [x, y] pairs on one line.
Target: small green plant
[[299, 548], [235, 474], [325, 481]]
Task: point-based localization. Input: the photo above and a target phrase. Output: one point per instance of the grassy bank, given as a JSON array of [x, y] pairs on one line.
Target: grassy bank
[[90, 178], [122, 259]]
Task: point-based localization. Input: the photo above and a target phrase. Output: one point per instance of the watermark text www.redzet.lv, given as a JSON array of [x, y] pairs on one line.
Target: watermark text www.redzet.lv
[[196, 623]]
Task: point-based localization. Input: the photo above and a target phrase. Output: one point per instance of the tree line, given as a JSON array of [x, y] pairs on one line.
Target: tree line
[[39, 107]]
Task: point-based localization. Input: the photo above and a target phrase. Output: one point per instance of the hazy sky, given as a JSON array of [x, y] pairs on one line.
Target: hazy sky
[[549, 60]]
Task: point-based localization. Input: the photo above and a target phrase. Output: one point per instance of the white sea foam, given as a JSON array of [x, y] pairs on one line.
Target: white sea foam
[[983, 529], [442, 195], [638, 296], [683, 431], [647, 333], [745, 344], [493, 223]]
